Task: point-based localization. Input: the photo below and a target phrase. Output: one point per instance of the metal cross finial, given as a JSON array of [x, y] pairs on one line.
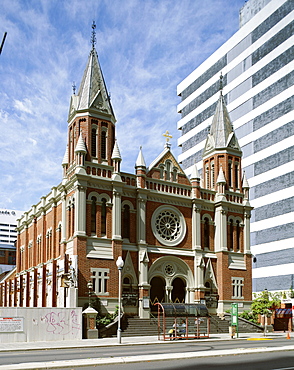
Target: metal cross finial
[[74, 88], [221, 82], [167, 136], [93, 36]]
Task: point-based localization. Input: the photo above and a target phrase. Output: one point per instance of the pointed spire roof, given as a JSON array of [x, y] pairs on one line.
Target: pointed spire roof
[[92, 93], [65, 158], [140, 162], [81, 147], [245, 184], [116, 152], [221, 177], [221, 135], [195, 174]]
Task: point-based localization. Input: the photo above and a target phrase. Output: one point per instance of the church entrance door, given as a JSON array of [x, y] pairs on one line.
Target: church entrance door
[[178, 291], [157, 291]]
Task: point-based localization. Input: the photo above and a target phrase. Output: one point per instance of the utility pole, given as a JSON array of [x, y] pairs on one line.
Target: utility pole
[[2, 43]]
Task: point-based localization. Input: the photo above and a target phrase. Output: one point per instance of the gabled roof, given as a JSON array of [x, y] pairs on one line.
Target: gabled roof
[[222, 135], [92, 93], [161, 159]]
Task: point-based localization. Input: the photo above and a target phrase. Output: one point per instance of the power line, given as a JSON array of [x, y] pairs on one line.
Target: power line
[[4, 37]]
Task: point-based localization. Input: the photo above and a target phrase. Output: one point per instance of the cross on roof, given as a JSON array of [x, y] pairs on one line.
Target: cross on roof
[[167, 136]]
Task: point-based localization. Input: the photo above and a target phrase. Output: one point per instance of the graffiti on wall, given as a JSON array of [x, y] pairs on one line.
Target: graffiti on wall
[[62, 323]]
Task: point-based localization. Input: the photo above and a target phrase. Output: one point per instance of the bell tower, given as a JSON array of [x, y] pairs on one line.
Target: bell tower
[[91, 116], [222, 150]]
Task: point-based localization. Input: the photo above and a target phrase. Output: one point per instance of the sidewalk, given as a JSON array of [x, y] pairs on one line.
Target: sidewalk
[[23, 346], [129, 341]]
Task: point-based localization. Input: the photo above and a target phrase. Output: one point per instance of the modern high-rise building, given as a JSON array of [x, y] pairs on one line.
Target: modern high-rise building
[[8, 236], [258, 74]]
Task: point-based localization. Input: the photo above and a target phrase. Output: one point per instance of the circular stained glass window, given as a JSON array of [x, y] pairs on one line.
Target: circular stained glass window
[[168, 225]]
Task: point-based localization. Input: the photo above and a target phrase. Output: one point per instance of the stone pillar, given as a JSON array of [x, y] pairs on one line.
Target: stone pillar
[[196, 227], [90, 314], [144, 287], [220, 239], [246, 232], [116, 214], [63, 218], [141, 218], [80, 210]]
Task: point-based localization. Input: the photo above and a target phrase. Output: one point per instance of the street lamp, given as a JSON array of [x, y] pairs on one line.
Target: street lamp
[[90, 287], [120, 265]]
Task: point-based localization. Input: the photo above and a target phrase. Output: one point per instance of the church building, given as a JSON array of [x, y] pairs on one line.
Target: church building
[[181, 239]]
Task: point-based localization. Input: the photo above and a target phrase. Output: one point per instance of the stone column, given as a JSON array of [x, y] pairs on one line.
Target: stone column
[[80, 210], [116, 214], [196, 227], [90, 314], [246, 232], [220, 239], [63, 218]]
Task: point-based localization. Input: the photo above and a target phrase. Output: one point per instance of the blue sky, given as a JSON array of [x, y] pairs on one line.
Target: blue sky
[[145, 48]]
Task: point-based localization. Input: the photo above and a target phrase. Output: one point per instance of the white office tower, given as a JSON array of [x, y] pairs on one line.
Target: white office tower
[[8, 237], [258, 74]]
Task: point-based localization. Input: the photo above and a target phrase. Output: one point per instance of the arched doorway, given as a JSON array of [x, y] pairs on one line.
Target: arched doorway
[[157, 291], [179, 290]]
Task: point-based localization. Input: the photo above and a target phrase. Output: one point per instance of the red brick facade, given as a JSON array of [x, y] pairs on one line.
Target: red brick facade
[[181, 240]]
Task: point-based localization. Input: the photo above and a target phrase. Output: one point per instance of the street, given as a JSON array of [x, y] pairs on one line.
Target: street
[[219, 350]]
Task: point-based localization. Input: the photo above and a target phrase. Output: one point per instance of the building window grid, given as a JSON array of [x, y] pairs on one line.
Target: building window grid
[[100, 278], [237, 288]]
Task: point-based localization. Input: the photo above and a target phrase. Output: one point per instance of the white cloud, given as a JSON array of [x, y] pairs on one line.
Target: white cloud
[[145, 49]]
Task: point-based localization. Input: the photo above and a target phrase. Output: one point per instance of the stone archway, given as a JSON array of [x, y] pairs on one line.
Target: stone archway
[[178, 293]]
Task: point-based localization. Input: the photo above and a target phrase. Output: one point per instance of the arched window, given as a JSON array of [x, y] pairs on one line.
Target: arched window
[[212, 175], [237, 175], [238, 235], [93, 143], [93, 215], [206, 233], [168, 171], [126, 222], [207, 176], [230, 174], [231, 235], [103, 144], [103, 217]]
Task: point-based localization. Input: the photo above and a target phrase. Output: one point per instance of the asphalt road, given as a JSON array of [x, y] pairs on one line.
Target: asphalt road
[[173, 347], [260, 361]]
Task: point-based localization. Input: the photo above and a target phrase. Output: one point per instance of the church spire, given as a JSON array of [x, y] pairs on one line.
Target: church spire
[[93, 92], [221, 136]]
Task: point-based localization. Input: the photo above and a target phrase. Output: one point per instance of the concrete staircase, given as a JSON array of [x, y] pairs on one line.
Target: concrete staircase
[[134, 326]]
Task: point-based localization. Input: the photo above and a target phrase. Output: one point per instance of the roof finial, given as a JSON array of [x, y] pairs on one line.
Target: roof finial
[[93, 36], [74, 88], [167, 137], [221, 83]]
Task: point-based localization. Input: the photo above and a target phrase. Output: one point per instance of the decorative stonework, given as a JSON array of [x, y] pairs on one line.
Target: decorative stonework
[[168, 225]]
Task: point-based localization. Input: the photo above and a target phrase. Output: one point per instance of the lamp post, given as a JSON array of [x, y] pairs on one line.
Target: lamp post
[[90, 287], [120, 265]]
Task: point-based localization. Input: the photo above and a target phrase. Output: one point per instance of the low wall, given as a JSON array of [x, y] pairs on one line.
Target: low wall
[[32, 324]]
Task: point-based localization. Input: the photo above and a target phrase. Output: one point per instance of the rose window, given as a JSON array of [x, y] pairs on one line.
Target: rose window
[[168, 225]]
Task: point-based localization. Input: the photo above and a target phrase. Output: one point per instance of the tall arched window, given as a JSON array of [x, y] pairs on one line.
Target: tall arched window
[[212, 175], [207, 176], [93, 143], [238, 235], [93, 215], [237, 175], [230, 174], [126, 222], [103, 217], [103, 144], [231, 235], [167, 170], [206, 233]]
